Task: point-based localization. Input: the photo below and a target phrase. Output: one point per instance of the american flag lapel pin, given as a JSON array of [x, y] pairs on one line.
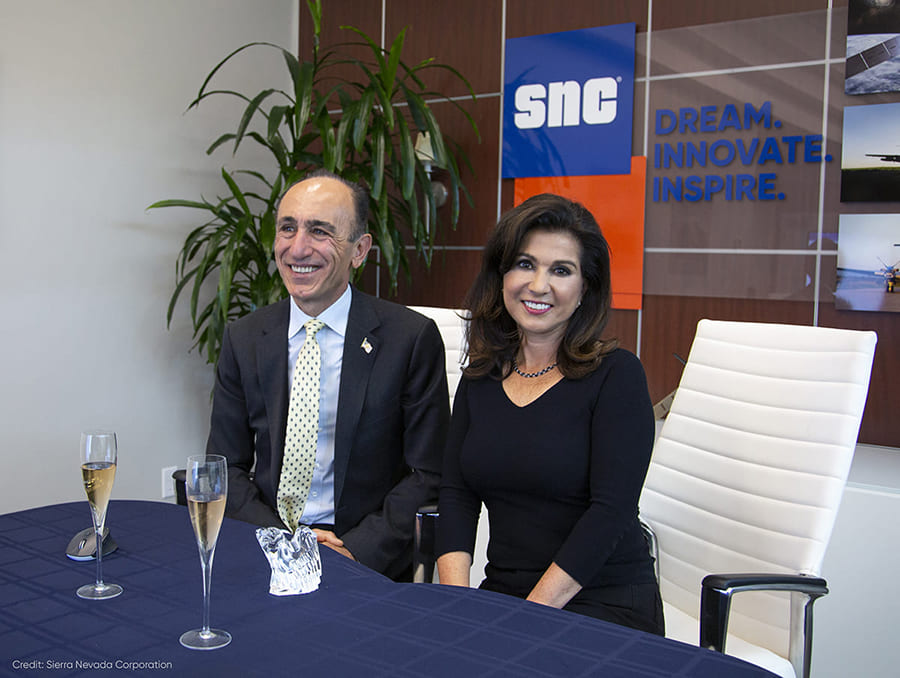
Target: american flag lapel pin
[[366, 346]]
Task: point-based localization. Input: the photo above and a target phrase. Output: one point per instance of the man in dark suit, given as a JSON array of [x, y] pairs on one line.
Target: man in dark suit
[[383, 409]]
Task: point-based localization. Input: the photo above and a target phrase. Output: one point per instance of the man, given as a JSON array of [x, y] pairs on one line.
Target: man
[[383, 406]]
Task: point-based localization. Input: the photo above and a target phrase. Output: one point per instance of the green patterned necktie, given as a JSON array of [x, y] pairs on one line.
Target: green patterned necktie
[[302, 430]]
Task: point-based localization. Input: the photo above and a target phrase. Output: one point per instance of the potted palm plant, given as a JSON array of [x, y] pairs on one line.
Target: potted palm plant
[[363, 128]]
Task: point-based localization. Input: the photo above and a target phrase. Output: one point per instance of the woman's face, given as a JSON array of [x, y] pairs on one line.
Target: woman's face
[[545, 284]]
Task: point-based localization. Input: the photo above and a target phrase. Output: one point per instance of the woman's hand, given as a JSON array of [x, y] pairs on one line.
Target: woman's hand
[[555, 588]]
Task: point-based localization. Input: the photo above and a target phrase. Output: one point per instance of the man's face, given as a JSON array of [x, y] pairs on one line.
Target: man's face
[[314, 251]]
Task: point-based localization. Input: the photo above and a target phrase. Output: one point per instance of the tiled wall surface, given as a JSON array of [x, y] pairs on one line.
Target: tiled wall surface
[[771, 261]]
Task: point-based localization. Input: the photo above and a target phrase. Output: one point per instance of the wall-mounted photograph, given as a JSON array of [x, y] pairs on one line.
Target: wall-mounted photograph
[[870, 156], [873, 47], [868, 263]]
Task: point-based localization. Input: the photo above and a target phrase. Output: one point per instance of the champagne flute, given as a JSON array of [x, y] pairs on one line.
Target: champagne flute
[[206, 486], [98, 471]]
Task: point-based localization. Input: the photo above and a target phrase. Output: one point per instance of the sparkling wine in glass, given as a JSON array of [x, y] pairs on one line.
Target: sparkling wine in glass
[[206, 485], [98, 471]]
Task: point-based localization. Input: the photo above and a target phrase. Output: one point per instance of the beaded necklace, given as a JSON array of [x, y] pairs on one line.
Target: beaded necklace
[[532, 375]]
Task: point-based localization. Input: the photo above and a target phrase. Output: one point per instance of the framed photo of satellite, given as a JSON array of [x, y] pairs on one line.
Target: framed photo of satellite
[[873, 47]]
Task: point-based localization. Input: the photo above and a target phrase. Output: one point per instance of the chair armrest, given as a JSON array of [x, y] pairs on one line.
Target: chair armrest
[[423, 543], [717, 589], [652, 545], [179, 476], [766, 581]]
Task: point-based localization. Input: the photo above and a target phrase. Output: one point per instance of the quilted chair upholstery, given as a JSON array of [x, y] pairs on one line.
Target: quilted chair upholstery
[[452, 328], [747, 476]]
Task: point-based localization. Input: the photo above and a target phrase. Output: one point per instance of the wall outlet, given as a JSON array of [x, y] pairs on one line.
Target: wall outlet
[[167, 488]]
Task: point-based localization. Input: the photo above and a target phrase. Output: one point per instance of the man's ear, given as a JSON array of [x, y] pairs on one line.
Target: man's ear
[[361, 250]]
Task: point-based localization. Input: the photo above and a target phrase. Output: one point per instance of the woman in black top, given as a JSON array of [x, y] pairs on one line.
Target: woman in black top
[[552, 427]]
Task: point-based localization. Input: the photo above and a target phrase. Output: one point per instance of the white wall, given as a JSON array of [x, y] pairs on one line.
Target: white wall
[[856, 623], [92, 130]]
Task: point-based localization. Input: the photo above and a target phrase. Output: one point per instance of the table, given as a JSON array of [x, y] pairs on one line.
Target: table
[[357, 624]]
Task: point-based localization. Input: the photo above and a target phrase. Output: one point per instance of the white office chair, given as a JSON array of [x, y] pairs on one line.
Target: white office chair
[[452, 327], [747, 476]]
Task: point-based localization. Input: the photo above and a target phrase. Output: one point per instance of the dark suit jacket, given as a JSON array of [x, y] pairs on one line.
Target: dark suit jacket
[[391, 424]]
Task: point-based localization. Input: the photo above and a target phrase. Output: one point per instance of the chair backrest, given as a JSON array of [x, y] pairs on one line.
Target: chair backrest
[[452, 326], [749, 469]]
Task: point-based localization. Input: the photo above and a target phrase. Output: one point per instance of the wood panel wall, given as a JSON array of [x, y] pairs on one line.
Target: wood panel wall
[[469, 34]]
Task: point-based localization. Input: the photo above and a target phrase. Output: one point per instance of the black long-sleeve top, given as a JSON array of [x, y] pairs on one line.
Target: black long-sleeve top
[[560, 477]]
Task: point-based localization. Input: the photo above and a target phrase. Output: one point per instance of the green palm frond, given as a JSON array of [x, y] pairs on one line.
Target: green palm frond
[[226, 264]]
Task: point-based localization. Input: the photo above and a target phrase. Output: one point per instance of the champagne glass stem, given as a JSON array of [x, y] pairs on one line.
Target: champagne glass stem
[[98, 536], [206, 561]]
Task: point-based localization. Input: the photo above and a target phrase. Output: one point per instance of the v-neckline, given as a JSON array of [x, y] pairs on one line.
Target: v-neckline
[[532, 401]]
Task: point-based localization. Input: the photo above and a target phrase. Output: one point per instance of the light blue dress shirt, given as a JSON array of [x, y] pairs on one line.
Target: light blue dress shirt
[[320, 503]]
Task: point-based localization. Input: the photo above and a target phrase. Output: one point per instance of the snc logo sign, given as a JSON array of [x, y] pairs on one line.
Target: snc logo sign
[[568, 103]]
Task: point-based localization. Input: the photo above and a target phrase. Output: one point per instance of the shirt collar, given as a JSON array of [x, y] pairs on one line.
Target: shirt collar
[[335, 316]]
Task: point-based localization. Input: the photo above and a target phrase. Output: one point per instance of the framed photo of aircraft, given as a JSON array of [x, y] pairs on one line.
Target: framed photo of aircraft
[[868, 263], [870, 155]]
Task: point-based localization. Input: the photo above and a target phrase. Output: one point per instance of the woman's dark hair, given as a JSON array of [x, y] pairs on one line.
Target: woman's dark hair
[[493, 336]]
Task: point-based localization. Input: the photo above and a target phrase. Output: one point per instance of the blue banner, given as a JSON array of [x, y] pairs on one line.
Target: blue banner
[[568, 103]]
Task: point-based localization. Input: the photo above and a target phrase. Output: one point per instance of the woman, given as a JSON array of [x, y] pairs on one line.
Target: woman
[[552, 427]]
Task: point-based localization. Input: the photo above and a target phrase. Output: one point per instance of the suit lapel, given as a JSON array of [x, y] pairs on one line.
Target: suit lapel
[[356, 368], [271, 360]]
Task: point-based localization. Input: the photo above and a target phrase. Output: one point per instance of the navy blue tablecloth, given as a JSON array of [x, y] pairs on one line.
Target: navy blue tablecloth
[[357, 624]]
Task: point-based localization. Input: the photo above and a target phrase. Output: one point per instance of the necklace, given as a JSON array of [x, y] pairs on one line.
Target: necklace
[[532, 375]]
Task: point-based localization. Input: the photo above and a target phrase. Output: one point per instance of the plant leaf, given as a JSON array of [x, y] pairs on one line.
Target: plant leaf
[[207, 264], [377, 181], [179, 203], [184, 280], [407, 160], [384, 98], [376, 50], [437, 140], [218, 142], [417, 108], [361, 119], [228, 263], [303, 84], [389, 72], [315, 12], [348, 116], [277, 114], [202, 93], [236, 191], [326, 132], [249, 112]]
